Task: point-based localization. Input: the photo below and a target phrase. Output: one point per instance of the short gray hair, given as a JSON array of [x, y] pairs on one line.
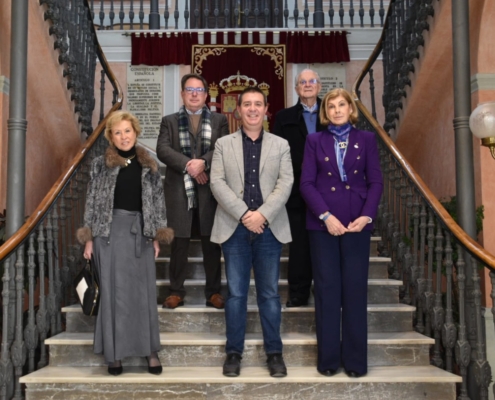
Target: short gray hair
[[296, 80]]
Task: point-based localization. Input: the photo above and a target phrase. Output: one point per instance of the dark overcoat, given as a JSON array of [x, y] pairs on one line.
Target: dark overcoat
[[290, 125], [168, 152]]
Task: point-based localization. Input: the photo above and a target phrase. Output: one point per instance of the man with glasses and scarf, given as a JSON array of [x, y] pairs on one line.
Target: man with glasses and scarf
[[185, 145], [294, 124]]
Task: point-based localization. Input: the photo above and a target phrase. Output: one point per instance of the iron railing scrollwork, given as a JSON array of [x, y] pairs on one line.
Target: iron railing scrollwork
[[40, 260], [439, 264]]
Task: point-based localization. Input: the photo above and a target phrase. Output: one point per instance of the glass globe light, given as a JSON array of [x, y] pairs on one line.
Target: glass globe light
[[482, 124]]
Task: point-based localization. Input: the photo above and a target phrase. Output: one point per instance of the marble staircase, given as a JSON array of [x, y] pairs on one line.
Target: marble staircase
[[193, 339]]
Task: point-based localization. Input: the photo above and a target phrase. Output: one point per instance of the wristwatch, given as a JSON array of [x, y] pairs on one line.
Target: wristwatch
[[324, 216]]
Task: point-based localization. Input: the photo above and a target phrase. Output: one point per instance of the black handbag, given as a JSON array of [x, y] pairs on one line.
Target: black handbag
[[87, 289]]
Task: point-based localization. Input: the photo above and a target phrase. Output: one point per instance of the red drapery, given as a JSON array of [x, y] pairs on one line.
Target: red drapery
[[230, 68], [175, 48]]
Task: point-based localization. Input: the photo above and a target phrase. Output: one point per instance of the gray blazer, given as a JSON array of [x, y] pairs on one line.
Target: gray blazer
[[168, 152], [227, 185]]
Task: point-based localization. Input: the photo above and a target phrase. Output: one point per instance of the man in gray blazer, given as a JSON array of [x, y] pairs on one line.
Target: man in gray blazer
[[185, 145], [251, 178]]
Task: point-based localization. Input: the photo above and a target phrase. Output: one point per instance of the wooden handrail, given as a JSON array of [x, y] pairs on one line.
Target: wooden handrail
[[47, 202], [469, 243]]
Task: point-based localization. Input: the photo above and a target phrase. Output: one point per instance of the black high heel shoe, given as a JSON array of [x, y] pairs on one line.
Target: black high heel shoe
[[115, 370], [156, 370]]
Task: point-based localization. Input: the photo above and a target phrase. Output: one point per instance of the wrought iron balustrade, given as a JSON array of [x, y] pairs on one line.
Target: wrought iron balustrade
[[439, 264], [39, 262], [242, 14]]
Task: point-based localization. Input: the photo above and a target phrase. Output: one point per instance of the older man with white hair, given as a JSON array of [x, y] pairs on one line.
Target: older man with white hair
[[294, 124]]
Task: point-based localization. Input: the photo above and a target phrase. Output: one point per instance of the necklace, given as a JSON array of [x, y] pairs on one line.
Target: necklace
[[127, 161]]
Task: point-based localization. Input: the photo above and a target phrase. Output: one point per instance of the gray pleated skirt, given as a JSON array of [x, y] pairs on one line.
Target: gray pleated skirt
[[127, 321]]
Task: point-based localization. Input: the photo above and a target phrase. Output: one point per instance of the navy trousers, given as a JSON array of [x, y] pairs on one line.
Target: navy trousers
[[340, 274]]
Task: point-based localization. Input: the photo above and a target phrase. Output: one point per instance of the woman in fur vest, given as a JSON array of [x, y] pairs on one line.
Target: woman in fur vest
[[124, 222]]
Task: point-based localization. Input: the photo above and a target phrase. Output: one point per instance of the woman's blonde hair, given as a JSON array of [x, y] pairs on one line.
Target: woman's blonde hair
[[333, 94], [117, 117]]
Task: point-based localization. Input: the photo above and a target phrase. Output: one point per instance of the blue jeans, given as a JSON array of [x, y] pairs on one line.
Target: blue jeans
[[243, 250]]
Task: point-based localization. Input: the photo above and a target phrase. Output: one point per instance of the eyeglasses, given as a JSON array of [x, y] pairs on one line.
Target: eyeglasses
[[313, 81], [198, 90]]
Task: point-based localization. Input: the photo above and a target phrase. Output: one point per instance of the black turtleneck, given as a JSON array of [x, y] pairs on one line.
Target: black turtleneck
[[127, 194]]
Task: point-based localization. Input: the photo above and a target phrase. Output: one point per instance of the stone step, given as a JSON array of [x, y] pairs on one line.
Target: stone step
[[199, 318], [195, 248], [380, 291], [254, 383], [195, 270], [208, 349]]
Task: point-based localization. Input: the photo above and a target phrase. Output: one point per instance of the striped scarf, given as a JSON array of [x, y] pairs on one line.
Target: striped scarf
[[185, 147], [340, 135]]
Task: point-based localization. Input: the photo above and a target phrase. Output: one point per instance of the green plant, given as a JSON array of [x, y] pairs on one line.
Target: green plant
[[450, 204]]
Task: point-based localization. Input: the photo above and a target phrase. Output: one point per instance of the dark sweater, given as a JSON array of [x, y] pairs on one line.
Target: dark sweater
[[127, 195]]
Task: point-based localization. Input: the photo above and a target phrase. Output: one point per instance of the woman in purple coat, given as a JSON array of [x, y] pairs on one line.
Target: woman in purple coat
[[341, 183]]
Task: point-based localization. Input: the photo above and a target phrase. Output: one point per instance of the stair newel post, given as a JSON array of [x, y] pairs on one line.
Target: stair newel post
[[449, 331], [462, 347], [56, 269], [482, 369], [438, 313], [51, 288], [41, 316], [18, 348], [428, 297], [154, 17], [6, 367], [31, 331]]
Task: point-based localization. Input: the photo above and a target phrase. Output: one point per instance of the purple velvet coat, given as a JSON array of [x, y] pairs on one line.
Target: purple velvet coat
[[322, 188]]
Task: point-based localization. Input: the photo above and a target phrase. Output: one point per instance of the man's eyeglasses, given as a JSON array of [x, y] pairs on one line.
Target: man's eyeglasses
[[313, 81], [191, 90]]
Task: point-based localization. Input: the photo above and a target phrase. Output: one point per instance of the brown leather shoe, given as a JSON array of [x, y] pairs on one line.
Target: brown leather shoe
[[216, 300], [172, 302]]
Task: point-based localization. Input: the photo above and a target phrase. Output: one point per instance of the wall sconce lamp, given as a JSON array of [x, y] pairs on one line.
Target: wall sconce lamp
[[482, 124]]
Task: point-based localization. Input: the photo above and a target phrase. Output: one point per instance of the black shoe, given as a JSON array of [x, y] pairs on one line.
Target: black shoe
[[354, 374], [115, 370], [296, 302], [328, 372], [156, 369], [276, 365], [232, 365]]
